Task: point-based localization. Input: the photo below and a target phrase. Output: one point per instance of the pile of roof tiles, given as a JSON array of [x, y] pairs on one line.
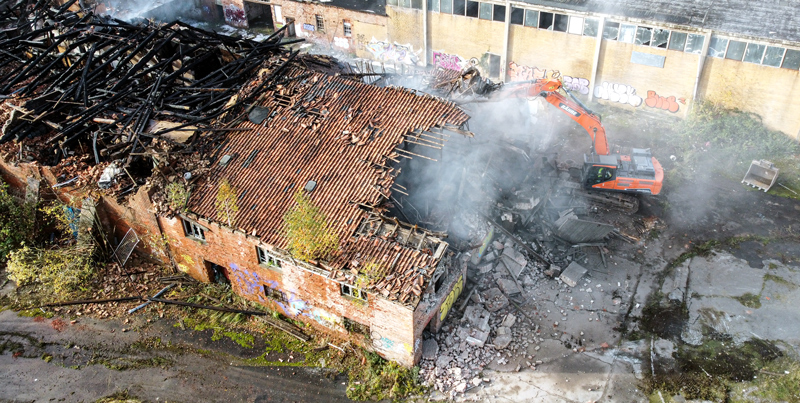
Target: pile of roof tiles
[[83, 84]]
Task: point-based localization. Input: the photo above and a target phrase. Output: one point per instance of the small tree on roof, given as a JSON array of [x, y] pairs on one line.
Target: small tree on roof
[[309, 234], [227, 207]]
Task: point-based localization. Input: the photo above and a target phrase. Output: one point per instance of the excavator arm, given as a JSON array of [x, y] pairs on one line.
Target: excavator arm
[[548, 89]]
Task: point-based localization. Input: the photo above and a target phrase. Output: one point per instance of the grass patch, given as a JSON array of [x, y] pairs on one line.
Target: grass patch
[[380, 379], [119, 397], [749, 300], [124, 364], [778, 381], [779, 280]]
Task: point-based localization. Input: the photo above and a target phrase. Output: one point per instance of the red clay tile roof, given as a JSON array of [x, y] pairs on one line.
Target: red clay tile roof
[[327, 129]]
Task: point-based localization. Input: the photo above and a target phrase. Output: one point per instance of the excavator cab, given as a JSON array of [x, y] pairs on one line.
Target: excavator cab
[[595, 174]]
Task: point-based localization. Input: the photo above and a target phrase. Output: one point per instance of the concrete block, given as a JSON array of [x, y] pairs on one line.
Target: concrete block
[[430, 349], [494, 299], [573, 274], [509, 287], [502, 341]]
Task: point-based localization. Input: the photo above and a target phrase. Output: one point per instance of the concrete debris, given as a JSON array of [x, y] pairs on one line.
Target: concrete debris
[[573, 274], [495, 300], [572, 229], [508, 287], [430, 348]]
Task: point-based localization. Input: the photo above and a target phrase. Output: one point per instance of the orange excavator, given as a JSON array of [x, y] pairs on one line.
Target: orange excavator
[[616, 175]]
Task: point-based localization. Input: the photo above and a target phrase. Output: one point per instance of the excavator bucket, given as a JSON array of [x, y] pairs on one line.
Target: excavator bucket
[[761, 175]]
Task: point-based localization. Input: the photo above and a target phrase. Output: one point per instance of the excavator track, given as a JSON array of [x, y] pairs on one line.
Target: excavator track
[[622, 202]]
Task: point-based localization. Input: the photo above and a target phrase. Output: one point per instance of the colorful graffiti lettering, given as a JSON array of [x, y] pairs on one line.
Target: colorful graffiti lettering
[[624, 94], [451, 298], [576, 84], [448, 61], [235, 16], [666, 103], [341, 42], [388, 52], [187, 263], [518, 72]]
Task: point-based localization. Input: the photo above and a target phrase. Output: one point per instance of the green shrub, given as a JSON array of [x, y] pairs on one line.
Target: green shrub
[[16, 222], [65, 270]]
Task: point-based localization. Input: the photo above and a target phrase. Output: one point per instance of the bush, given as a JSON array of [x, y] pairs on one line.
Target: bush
[[16, 222], [309, 234], [380, 379], [64, 270]]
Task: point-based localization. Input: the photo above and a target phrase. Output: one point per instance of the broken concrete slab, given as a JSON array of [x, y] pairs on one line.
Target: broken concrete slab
[[494, 299], [724, 275], [509, 320], [508, 287], [430, 349], [514, 261], [575, 230], [477, 317], [573, 274], [501, 341]]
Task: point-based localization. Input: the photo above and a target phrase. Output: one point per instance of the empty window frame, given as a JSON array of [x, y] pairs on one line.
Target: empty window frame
[[791, 60], [274, 294], [660, 38], [347, 28], [735, 50], [499, 13], [355, 327], [560, 22], [486, 11], [517, 16], [754, 53], [643, 36], [773, 56], [446, 6], [353, 292], [193, 230], [694, 44], [611, 31], [590, 27], [575, 25], [459, 7], [627, 33], [531, 18], [546, 21], [717, 47], [320, 23], [472, 8], [677, 41], [266, 258]]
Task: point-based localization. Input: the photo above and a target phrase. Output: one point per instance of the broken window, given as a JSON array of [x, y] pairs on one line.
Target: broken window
[[677, 41], [735, 50], [792, 59], [546, 21], [695, 44], [560, 23], [274, 294], [611, 31], [486, 11], [717, 46], [660, 38], [266, 258], [459, 7], [517, 15], [754, 53], [320, 23], [773, 56], [472, 9], [643, 36], [433, 5], [353, 292], [575, 25], [531, 18], [446, 6], [499, 13], [194, 230], [627, 33], [355, 327], [590, 27], [348, 29]]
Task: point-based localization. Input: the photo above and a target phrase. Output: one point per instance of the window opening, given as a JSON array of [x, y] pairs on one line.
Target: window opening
[[348, 29], [611, 31], [773, 56], [717, 46], [416, 4], [499, 13], [486, 11], [274, 294], [193, 230], [754, 53], [405, 3], [643, 36], [472, 9], [517, 16], [433, 5], [446, 6], [392, 2], [792, 59], [546, 20], [217, 273], [695, 44], [627, 33], [590, 27], [459, 7], [355, 327], [266, 258], [735, 50], [575, 25], [560, 23], [531, 18], [320, 23], [677, 41], [660, 38], [353, 292]]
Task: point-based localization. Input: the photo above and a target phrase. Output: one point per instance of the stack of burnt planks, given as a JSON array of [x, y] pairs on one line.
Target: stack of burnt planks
[[94, 83]]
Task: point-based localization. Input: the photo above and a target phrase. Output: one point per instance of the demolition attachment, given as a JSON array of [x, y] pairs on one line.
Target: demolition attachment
[[761, 175]]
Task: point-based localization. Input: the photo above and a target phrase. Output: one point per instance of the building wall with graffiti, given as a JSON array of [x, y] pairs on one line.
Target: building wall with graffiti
[[233, 11], [455, 39], [405, 27], [535, 53]]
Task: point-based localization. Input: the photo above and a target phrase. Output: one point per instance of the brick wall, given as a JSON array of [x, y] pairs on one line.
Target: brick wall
[[405, 27], [549, 51]]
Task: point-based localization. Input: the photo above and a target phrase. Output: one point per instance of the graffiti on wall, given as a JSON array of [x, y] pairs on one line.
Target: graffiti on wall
[[393, 52], [448, 61], [252, 284], [576, 84], [386, 344], [518, 72], [622, 93], [451, 298], [234, 16], [666, 103], [341, 42]]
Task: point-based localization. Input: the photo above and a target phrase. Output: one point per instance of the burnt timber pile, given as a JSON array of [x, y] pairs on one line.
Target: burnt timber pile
[[83, 90]]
